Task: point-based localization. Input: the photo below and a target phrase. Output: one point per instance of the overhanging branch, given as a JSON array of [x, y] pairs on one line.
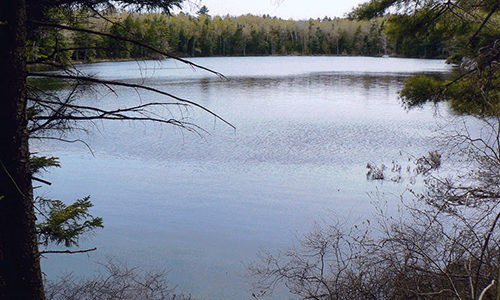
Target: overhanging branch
[[67, 251], [130, 85], [129, 40]]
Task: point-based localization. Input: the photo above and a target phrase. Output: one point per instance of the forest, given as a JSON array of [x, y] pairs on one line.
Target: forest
[[204, 35]]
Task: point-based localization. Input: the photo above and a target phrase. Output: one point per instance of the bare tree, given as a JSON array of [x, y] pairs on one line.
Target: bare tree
[[116, 281]]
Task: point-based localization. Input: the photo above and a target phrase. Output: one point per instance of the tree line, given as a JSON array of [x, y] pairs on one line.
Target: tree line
[[204, 35]]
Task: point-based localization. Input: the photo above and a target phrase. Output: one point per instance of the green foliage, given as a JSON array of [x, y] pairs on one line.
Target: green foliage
[[64, 224], [185, 35], [47, 84], [85, 46], [475, 94], [251, 35], [478, 95], [44, 44], [404, 39], [372, 9], [420, 89], [467, 31], [41, 163], [410, 28], [61, 223], [202, 11], [204, 35]]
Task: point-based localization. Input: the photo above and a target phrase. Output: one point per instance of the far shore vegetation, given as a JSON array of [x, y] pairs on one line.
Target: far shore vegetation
[[248, 35]]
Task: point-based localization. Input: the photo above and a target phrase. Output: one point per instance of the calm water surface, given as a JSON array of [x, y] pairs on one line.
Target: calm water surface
[[202, 207]]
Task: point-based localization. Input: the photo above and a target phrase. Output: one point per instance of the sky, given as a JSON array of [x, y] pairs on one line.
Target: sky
[[286, 9]]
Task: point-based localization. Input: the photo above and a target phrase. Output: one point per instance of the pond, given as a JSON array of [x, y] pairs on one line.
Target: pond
[[202, 205]]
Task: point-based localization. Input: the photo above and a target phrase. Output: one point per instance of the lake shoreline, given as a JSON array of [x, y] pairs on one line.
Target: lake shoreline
[[228, 56]]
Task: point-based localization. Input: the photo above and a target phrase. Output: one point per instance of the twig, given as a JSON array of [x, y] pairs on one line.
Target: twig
[[486, 289], [130, 85], [64, 140], [41, 180], [483, 250], [66, 251], [495, 7]]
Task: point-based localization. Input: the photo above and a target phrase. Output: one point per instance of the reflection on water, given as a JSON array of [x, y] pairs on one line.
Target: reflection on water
[[201, 207]]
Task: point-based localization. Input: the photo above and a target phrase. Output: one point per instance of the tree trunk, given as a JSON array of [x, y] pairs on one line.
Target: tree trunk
[[20, 275]]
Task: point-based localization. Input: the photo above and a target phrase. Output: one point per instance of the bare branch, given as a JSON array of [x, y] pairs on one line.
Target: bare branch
[[130, 85], [129, 40], [41, 180], [67, 251]]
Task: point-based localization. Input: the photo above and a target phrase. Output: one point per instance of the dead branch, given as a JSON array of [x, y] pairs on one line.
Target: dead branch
[[129, 40]]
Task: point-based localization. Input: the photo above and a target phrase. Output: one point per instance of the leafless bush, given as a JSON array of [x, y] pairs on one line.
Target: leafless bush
[[429, 162], [320, 267], [425, 254], [118, 281], [375, 172], [396, 173], [443, 244]]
